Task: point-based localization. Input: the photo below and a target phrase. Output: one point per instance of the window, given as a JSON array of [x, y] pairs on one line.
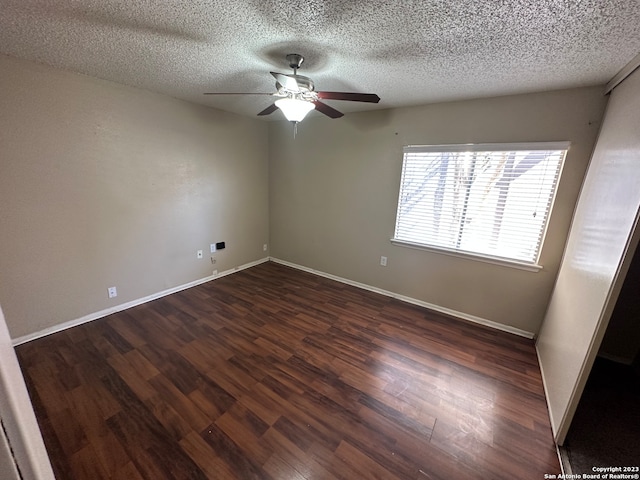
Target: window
[[487, 200]]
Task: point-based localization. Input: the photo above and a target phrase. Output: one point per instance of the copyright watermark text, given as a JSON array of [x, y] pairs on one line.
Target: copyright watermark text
[[599, 473]]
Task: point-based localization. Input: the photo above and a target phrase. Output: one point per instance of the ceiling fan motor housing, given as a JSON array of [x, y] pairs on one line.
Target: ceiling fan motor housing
[[305, 84], [295, 60]]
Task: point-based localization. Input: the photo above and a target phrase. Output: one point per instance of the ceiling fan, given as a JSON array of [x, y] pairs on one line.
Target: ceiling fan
[[297, 95]]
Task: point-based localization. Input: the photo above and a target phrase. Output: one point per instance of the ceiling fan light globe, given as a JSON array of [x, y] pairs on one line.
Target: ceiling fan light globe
[[293, 109]]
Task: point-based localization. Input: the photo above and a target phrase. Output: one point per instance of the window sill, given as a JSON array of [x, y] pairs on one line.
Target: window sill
[[530, 267]]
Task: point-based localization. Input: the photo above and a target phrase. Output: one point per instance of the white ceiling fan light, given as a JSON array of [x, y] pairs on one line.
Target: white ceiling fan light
[[294, 109]]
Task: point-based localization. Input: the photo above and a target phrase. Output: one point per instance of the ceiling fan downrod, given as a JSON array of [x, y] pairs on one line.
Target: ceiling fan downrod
[[295, 61]]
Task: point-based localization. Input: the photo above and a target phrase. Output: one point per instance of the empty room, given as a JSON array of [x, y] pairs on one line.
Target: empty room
[[313, 240]]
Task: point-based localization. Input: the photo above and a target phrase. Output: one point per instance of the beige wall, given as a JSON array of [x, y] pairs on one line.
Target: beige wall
[[105, 185], [333, 195]]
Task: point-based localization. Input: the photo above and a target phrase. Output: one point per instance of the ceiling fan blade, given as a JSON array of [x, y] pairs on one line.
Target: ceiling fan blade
[[269, 110], [287, 81], [327, 110], [350, 96], [236, 93]]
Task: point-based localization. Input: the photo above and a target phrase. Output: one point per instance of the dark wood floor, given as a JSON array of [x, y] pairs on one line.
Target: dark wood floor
[[273, 373]]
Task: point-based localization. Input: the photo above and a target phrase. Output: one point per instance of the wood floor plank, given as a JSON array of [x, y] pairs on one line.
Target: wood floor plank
[[83, 465], [131, 376], [236, 459], [141, 365], [337, 465], [127, 327], [70, 433], [110, 453], [206, 458], [366, 466], [87, 413], [279, 468], [273, 373], [300, 461], [195, 417], [48, 387], [261, 406], [245, 429], [175, 426], [128, 472]]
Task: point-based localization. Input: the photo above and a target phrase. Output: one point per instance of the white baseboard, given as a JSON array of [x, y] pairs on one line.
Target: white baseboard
[[414, 301], [132, 303], [546, 397]]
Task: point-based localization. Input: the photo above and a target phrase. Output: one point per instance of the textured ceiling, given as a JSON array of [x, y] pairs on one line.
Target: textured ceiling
[[409, 52]]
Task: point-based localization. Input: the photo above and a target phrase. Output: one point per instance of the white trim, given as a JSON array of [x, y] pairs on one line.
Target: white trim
[[546, 397], [487, 147], [124, 306], [414, 301], [565, 466], [18, 418], [530, 267], [619, 77]]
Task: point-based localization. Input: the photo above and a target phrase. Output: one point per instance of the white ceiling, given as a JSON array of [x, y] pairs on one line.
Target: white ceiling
[[409, 52]]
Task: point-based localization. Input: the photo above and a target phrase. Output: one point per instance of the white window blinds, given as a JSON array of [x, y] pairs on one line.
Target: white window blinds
[[491, 200]]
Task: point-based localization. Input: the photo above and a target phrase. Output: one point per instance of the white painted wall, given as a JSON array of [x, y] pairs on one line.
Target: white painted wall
[[595, 259]]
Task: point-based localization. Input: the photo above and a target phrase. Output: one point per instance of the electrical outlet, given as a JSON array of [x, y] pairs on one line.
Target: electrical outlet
[[199, 254], [383, 261], [264, 247], [213, 248], [112, 292], [215, 272]]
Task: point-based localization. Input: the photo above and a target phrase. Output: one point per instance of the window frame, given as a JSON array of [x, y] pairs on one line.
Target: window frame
[[533, 266]]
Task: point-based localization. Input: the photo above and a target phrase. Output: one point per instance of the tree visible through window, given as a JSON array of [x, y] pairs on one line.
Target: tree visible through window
[[489, 200]]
